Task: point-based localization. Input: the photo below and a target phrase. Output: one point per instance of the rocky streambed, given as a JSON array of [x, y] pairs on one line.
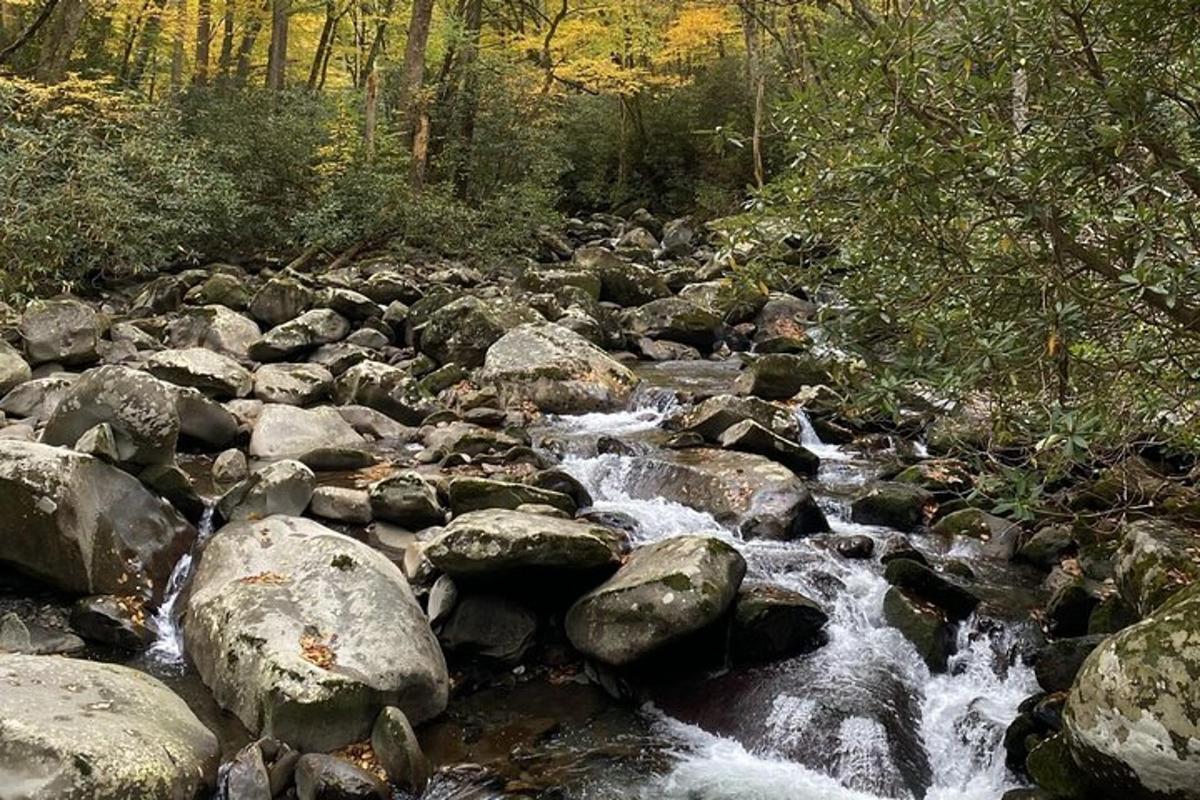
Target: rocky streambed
[[593, 526]]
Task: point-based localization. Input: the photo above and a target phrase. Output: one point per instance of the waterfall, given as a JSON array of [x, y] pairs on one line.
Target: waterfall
[[858, 719], [167, 647]]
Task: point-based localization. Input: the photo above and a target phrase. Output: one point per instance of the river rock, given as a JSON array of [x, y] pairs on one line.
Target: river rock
[[384, 388], [306, 634], [215, 327], [924, 625], [491, 626], [116, 621], [292, 384], [751, 437], [280, 300], [557, 371], [214, 374], [284, 487], [73, 729], [498, 543], [777, 376], [342, 503], [999, 536], [893, 505], [462, 330], [922, 582], [289, 432], [781, 326], [1057, 663], [407, 499], [324, 777], [399, 752], [1156, 559], [542, 280], [474, 494], [84, 526], [36, 399], [717, 414], [223, 289], [621, 282], [140, 409], [664, 591], [770, 622], [305, 332], [65, 331], [677, 320], [204, 420], [13, 368], [1133, 714]]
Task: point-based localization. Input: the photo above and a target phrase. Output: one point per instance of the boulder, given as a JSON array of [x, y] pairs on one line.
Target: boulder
[[111, 620], [542, 280], [664, 592], [1057, 663], [306, 634], [407, 499], [140, 409], [770, 622], [473, 494], [37, 399], [893, 505], [782, 325], [399, 752], [292, 384], [677, 320], [1000, 536], [750, 437], [73, 729], [462, 330], [65, 331], [924, 625], [715, 415], [1156, 559], [621, 282], [284, 487], [342, 503], [222, 289], [280, 300], [216, 375], [305, 332], [385, 388], [557, 371], [289, 432], [918, 580], [84, 526], [498, 543], [326, 777], [489, 626], [215, 327], [13, 368], [776, 376], [1132, 718]]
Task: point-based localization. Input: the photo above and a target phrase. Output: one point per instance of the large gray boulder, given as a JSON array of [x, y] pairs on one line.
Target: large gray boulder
[[305, 332], [677, 320], [306, 634], [292, 384], [1156, 559], [13, 369], [84, 526], [715, 415], [215, 327], [214, 374], [279, 300], [289, 432], [384, 388], [462, 330], [621, 282], [1132, 718], [140, 408], [65, 330], [556, 370], [497, 542], [748, 493], [664, 592], [81, 730]]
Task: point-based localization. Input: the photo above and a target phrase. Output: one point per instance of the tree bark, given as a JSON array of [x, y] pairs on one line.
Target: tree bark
[[378, 42], [413, 74], [314, 73], [148, 43], [370, 113], [246, 49], [29, 32], [225, 60], [203, 40], [277, 56], [177, 54], [56, 52], [470, 94]]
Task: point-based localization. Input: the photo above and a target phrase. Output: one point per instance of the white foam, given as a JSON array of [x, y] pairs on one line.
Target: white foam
[[167, 647]]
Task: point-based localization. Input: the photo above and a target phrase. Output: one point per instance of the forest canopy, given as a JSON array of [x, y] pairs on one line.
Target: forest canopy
[[1003, 191]]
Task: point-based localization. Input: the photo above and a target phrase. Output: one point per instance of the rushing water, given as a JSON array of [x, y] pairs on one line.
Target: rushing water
[[860, 717], [167, 648]]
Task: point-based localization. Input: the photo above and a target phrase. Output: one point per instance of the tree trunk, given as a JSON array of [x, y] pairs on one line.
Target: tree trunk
[[149, 41], [28, 33], [314, 73], [414, 60], [756, 84], [177, 54], [225, 60], [246, 49], [56, 52], [420, 149], [370, 113], [277, 56], [470, 94], [203, 39], [377, 43]]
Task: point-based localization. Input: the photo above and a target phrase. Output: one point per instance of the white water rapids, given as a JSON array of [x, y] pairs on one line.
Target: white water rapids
[[857, 718], [167, 648]]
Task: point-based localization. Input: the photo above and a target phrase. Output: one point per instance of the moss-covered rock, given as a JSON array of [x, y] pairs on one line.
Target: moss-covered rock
[[893, 505], [770, 622], [473, 494], [462, 330], [675, 319], [664, 592], [775, 376], [1156, 559], [923, 624]]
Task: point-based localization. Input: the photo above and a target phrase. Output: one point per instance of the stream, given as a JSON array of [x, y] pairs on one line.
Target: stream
[[860, 717]]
